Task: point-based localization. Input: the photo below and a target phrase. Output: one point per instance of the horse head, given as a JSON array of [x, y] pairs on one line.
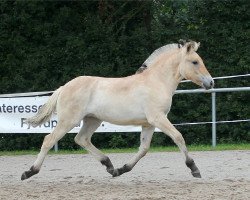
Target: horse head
[[192, 67]]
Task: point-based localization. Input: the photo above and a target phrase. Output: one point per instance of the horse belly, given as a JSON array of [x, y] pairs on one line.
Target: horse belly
[[118, 112]]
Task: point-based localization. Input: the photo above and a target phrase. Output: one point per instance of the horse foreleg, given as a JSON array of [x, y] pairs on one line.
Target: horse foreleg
[[167, 127], [146, 136], [83, 138]]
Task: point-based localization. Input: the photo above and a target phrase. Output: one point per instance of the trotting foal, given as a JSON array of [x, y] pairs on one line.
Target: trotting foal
[[143, 99]]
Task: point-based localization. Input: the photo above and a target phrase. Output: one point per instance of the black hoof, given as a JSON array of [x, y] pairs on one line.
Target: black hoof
[[116, 173], [29, 173], [194, 169], [122, 170], [110, 170], [109, 166], [196, 174]]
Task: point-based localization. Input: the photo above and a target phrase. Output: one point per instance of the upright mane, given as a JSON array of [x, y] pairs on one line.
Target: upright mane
[[165, 49], [155, 54], [158, 52]]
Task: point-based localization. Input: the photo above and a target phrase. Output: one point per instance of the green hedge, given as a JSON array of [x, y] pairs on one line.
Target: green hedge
[[45, 44]]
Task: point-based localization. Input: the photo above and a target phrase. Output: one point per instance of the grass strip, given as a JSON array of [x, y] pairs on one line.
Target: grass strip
[[220, 147]]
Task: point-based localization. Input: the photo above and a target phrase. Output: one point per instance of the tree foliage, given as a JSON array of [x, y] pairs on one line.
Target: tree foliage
[[44, 44]]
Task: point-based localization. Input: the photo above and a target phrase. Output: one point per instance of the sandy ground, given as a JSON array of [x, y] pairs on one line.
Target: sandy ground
[[225, 175]]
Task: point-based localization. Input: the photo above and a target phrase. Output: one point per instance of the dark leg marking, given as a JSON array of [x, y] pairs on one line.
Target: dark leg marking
[[194, 169], [122, 170], [108, 164], [29, 173]]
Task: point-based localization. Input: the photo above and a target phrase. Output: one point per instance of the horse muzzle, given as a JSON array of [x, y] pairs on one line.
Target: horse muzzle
[[207, 82]]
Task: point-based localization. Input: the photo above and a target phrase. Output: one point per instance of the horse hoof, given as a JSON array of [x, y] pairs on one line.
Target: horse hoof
[[23, 177], [122, 170], [111, 171], [196, 174], [29, 173], [116, 173]]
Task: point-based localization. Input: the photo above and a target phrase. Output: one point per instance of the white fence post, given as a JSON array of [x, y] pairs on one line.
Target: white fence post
[[213, 119], [56, 147]]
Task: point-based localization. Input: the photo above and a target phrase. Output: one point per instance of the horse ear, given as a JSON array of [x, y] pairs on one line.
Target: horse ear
[[196, 45], [181, 43], [192, 46], [189, 47]]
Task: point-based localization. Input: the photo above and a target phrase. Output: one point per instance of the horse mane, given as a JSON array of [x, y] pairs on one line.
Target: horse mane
[[165, 49], [155, 54]]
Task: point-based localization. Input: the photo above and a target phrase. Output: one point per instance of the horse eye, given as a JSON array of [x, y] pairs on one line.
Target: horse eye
[[195, 62]]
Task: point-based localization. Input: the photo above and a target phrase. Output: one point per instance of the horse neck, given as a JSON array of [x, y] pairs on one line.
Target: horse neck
[[166, 70]]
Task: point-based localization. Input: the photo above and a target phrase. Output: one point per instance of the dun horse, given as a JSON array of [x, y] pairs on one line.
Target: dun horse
[[143, 99]]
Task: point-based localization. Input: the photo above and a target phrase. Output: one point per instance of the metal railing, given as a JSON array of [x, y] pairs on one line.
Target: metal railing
[[213, 97]]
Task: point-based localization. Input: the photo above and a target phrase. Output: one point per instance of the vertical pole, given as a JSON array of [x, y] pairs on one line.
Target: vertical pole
[[213, 119], [56, 147]]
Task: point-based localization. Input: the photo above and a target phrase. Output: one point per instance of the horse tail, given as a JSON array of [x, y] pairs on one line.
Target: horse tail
[[45, 112]]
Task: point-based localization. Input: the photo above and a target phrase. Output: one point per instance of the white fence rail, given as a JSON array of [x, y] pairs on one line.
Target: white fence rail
[[213, 105], [213, 92]]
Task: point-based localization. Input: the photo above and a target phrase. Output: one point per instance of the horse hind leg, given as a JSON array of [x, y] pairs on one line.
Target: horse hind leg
[[49, 141], [83, 138]]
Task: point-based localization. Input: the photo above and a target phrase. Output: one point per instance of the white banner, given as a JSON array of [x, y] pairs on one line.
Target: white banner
[[13, 112]]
